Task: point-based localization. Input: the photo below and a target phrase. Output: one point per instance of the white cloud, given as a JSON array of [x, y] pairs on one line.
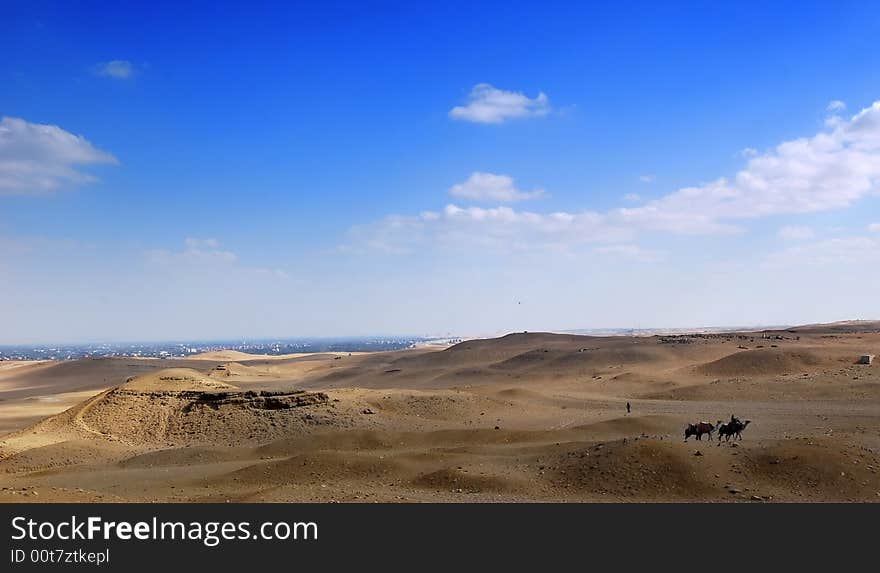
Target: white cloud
[[118, 69], [630, 251], [487, 104], [680, 212], [38, 158], [273, 273], [795, 233], [647, 178], [632, 197], [830, 170], [491, 187], [874, 227], [834, 109], [206, 248], [500, 229], [836, 251], [201, 254], [195, 251]]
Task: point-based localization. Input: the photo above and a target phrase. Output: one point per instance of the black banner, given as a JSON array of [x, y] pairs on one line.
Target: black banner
[[231, 536]]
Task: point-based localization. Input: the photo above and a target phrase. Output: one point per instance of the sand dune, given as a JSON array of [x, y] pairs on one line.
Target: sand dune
[[525, 417], [175, 380], [841, 327], [228, 356], [238, 356], [766, 362]]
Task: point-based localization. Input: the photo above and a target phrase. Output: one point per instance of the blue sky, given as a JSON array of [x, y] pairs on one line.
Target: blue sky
[[297, 170]]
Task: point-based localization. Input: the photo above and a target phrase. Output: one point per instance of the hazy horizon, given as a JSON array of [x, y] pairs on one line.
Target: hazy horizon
[[618, 330]]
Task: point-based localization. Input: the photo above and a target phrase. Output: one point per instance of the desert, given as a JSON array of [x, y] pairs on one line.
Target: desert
[[520, 418]]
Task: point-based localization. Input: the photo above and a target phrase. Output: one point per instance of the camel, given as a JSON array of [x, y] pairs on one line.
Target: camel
[[698, 430], [732, 428]]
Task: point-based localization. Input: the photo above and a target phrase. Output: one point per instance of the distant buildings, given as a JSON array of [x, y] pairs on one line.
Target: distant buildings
[[171, 349]]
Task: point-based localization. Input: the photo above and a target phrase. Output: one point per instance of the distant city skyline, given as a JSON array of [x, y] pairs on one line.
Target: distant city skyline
[[278, 171], [183, 349]]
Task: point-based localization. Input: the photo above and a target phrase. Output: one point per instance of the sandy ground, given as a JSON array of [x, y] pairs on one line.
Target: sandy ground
[[526, 417]]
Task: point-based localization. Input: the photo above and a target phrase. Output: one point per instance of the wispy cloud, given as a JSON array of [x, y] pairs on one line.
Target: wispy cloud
[[117, 69], [500, 229], [487, 104], [874, 227], [491, 187], [37, 158], [835, 251], [795, 233], [630, 251], [649, 178], [207, 253], [834, 117], [196, 251]]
